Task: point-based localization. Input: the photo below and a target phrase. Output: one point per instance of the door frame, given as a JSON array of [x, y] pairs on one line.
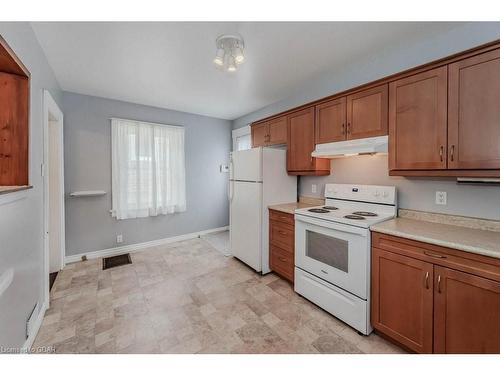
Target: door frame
[[51, 109]]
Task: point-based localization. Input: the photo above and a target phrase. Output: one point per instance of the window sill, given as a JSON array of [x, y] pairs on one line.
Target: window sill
[[10, 194]]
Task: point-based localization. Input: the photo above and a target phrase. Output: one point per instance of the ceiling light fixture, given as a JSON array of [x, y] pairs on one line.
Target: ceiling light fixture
[[229, 52]]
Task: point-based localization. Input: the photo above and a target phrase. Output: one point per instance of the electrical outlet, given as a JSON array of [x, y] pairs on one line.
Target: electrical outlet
[[314, 188], [119, 238], [441, 198]]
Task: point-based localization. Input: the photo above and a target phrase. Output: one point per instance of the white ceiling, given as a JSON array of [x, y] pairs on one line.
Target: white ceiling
[[170, 65]]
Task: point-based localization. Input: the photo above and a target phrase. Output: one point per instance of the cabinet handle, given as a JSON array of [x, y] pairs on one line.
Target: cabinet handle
[[348, 128], [282, 259], [452, 152], [282, 232], [441, 151], [343, 129], [439, 283], [427, 280], [435, 255]]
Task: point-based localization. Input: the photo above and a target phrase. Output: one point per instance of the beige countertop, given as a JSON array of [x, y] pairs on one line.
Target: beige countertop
[[472, 240], [290, 208]]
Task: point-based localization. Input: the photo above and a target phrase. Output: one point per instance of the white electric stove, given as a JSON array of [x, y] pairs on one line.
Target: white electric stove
[[332, 249]]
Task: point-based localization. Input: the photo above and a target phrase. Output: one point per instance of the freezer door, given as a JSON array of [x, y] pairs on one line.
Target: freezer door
[[245, 222], [246, 165]]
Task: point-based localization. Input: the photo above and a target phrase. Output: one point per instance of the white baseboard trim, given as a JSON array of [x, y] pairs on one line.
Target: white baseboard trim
[[38, 323], [140, 246]]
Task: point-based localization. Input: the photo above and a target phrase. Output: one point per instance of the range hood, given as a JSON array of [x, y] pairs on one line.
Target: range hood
[[353, 147]]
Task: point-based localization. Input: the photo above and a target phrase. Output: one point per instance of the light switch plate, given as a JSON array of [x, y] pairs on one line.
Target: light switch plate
[[314, 188], [441, 198], [224, 168], [119, 238]]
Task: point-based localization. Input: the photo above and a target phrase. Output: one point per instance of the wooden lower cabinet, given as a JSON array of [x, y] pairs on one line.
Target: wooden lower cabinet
[[282, 244], [432, 299], [466, 313], [402, 299]]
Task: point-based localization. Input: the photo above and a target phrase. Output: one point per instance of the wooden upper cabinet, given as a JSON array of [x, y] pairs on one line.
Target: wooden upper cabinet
[[272, 132], [277, 131], [367, 113], [14, 119], [260, 133], [402, 299], [474, 112], [301, 145], [331, 121], [466, 313], [301, 140], [417, 121]]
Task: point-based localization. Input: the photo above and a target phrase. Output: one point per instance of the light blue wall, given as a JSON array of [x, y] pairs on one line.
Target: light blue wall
[[21, 225], [87, 158], [414, 193]]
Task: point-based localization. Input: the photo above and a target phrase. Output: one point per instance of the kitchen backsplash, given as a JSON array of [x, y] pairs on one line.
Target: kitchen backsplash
[[413, 193]]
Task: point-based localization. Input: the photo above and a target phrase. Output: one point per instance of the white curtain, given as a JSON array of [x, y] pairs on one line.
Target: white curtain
[[148, 169]]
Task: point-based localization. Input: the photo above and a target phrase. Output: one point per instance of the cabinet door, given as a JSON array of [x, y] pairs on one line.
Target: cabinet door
[[367, 113], [417, 121], [14, 129], [474, 112], [301, 140], [402, 299], [331, 121], [277, 131], [466, 313], [260, 134]]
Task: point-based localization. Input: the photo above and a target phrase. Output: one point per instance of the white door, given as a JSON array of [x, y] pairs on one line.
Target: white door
[[55, 196], [246, 165], [245, 222]]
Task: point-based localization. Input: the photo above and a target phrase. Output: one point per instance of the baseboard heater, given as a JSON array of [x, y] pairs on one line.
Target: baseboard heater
[[477, 181]]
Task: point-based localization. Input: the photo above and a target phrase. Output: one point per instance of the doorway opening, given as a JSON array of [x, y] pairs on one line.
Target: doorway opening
[[53, 182]]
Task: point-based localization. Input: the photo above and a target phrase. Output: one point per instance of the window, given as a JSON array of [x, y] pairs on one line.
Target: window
[[242, 139], [243, 142], [148, 170]]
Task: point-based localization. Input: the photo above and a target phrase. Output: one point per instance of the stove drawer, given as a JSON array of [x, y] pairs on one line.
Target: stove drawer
[[343, 305], [282, 262]]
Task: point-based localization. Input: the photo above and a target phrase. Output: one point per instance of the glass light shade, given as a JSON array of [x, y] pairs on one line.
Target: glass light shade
[[238, 55], [219, 57], [231, 66]]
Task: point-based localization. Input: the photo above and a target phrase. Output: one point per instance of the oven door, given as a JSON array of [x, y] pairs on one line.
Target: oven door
[[337, 253]]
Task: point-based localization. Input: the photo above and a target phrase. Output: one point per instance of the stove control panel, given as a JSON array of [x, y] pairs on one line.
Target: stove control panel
[[362, 193]]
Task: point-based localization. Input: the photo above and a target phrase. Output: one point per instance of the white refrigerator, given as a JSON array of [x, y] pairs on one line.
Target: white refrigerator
[[258, 178]]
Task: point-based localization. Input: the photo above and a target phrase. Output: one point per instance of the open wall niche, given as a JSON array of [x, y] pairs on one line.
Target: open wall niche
[[14, 120]]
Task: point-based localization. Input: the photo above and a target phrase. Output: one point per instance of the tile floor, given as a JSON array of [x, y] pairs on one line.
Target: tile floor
[[189, 298], [219, 241]]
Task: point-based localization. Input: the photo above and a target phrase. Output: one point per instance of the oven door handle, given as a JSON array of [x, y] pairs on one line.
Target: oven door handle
[[333, 226]]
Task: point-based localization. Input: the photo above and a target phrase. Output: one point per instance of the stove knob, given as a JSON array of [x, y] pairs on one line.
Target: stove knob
[[385, 194], [377, 193]]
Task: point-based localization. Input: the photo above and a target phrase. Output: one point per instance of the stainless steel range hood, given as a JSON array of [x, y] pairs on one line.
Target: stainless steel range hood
[[333, 150]]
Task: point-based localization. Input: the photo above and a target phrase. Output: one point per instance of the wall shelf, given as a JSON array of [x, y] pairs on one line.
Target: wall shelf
[[87, 193]]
